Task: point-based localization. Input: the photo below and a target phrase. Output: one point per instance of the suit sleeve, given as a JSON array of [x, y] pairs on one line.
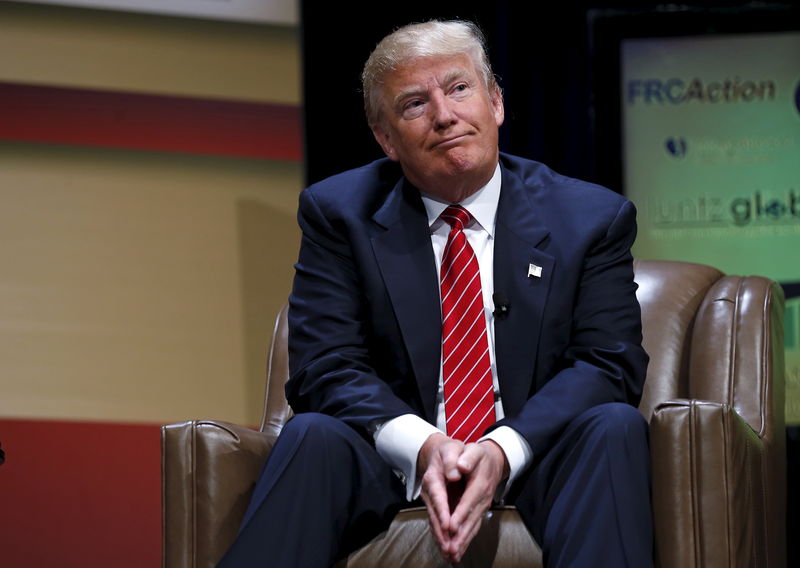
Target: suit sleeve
[[329, 345], [602, 360]]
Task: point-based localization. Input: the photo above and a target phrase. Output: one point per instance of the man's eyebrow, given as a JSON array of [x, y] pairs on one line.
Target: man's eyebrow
[[408, 93], [417, 90], [455, 75]]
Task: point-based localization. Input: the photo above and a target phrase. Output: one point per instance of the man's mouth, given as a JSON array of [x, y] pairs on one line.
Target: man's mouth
[[449, 142]]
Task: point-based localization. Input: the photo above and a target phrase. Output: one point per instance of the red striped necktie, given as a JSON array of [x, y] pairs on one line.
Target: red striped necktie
[[466, 367]]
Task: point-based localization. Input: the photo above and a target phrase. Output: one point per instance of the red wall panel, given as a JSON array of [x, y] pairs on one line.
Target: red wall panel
[[58, 115], [75, 494]]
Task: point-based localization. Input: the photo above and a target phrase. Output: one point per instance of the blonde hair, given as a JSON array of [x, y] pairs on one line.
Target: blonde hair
[[435, 37]]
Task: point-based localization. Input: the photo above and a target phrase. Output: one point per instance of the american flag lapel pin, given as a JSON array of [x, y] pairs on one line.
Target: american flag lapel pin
[[534, 271]]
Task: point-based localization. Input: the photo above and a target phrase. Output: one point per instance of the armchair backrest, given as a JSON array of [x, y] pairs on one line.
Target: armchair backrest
[[276, 408], [670, 294], [712, 337]]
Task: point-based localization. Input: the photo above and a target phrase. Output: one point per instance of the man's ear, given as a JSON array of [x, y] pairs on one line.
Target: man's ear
[[383, 138], [496, 96]]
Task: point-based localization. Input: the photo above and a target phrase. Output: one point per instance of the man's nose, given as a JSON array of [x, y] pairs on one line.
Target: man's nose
[[443, 114]]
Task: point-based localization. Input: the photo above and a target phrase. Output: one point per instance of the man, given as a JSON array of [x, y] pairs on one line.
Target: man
[[463, 328]]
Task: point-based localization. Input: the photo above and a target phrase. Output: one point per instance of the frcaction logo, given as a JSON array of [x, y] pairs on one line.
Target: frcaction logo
[[676, 91]]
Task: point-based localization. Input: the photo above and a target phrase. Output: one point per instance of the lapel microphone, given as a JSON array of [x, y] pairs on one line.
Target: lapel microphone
[[501, 305]]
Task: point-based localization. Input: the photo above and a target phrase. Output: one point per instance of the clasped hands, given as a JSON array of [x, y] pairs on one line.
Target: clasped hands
[[458, 485]]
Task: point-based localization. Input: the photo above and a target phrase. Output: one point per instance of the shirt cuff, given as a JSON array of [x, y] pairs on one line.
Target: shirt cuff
[[518, 453], [398, 441]]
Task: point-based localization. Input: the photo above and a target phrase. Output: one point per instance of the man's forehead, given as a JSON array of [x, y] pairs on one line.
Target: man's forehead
[[422, 71], [436, 63]]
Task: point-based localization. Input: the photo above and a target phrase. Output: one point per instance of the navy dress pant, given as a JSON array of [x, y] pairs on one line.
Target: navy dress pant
[[325, 491]]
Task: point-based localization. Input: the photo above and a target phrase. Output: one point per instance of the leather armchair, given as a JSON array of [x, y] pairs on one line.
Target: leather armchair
[[714, 397]]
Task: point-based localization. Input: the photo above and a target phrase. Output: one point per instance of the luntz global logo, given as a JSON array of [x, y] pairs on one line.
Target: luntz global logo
[[705, 211]]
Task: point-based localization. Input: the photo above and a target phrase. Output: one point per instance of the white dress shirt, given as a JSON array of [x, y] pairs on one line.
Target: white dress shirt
[[399, 440]]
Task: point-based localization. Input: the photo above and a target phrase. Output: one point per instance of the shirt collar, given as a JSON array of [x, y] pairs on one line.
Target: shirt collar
[[482, 204]]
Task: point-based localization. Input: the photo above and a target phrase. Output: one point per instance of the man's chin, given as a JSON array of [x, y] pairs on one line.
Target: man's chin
[[458, 161], [456, 170]]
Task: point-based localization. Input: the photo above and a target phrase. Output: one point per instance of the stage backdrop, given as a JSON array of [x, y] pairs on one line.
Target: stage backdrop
[[711, 157]]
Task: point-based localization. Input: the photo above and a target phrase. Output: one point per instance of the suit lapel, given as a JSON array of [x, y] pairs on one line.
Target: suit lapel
[[405, 258], [518, 233]]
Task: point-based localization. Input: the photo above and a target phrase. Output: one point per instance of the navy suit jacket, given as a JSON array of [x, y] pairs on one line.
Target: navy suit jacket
[[364, 313]]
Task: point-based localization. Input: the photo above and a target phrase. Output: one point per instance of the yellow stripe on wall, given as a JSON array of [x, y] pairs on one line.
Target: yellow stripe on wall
[[140, 287], [114, 50]]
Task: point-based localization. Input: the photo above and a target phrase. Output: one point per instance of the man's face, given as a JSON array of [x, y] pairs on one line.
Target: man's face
[[439, 121]]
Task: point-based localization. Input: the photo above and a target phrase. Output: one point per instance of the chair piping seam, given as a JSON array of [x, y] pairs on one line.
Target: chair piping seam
[[766, 348], [193, 476], [163, 499], [694, 475], [732, 367], [766, 363], [726, 459]]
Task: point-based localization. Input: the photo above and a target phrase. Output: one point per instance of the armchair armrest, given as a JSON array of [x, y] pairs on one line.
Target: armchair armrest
[[208, 473], [708, 486]]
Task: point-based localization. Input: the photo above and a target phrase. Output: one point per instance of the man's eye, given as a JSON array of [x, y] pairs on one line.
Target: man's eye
[[413, 109]]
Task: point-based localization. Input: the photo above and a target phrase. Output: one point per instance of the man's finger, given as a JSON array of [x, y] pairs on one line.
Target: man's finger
[[450, 454], [462, 540], [434, 493], [442, 537], [470, 457], [483, 466]]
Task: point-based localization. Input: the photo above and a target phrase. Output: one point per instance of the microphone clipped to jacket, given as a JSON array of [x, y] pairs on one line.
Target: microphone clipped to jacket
[[501, 305]]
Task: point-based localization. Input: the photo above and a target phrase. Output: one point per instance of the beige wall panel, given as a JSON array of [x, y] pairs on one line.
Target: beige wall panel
[[140, 286], [113, 50]]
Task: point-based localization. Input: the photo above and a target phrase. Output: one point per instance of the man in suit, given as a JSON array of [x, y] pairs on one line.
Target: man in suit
[[554, 351]]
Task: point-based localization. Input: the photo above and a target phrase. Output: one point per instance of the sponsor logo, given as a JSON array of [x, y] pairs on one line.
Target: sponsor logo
[[677, 91], [676, 147], [760, 208], [739, 150]]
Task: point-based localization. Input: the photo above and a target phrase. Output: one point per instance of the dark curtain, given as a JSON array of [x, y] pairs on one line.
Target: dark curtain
[[555, 62], [540, 53]]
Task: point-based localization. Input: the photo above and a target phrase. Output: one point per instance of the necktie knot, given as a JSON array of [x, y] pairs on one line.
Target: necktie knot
[[456, 216]]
